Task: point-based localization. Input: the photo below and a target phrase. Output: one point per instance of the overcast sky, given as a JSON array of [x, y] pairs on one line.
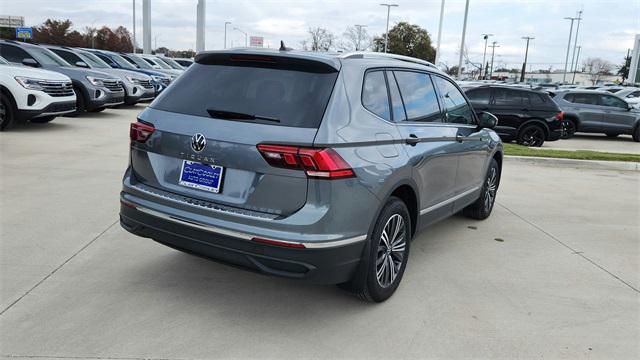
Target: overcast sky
[[607, 30]]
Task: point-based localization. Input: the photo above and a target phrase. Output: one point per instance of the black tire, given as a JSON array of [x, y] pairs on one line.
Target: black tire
[[531, 135], [481, 209], [7, 112], [569, 127], [371, 282], [636, 134], [612, 135], [42, 119], [81, 106]]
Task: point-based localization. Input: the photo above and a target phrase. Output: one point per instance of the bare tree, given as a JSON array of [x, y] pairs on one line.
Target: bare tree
[[321, 39], [356, 38], [596, 67]]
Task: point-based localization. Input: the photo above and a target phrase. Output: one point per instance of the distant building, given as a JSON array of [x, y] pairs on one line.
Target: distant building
[[556, 78]]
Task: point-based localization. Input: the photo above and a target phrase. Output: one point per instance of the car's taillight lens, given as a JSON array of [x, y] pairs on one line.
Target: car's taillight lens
[[140, 132], [318, 163], [560, 116]]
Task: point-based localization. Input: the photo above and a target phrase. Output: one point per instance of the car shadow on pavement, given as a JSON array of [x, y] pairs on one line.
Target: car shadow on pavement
[[30, 127]]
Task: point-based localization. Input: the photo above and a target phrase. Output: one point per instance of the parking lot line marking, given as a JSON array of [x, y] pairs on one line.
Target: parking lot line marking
[[58, 268], [573, 251]]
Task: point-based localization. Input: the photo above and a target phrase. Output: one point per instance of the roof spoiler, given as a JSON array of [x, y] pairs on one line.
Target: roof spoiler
[[288, 60]]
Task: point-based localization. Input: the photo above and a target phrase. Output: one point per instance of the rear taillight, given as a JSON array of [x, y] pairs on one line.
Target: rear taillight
[[560, 116], [318, 163], [280, 243], [140, 132]]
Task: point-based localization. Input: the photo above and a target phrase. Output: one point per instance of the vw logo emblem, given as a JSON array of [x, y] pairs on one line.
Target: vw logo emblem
[[198, 142]]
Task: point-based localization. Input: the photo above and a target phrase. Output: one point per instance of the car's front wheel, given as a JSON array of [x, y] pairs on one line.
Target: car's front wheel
[[6, 112], [481, 209], [382, 268]]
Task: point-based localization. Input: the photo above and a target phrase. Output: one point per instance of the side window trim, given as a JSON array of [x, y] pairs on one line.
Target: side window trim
[[386, 83], [395, 82]]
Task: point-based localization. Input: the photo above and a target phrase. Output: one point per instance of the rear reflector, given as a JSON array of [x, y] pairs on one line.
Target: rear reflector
[[127, 204], [278, 243], [560, 116], [140, 132], [318, 163]]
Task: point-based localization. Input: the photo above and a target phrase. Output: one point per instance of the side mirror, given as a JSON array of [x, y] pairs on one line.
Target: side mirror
[[487, 120], [81, 64], [30, 62]]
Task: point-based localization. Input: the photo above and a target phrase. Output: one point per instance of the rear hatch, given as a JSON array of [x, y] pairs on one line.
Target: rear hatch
[[217, 113]]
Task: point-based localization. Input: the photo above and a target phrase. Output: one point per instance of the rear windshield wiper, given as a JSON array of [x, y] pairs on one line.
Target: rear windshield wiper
[[230, 115]]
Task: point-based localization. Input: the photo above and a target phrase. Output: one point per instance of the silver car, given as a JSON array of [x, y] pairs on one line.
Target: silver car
[[593, 111], [310, 166]]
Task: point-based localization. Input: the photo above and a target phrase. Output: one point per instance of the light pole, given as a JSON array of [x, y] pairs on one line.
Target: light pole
[[484, 56], [245, 36], [386, 34], [526, 53], [359, 27], [464, 33], [134, 26], [225, 33], [576, 68], [155, 41], [566, 60], [575, 43], [439, 32], [493, 47]]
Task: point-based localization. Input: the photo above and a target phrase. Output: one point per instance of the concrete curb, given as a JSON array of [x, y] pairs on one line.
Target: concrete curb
[[583, 164]]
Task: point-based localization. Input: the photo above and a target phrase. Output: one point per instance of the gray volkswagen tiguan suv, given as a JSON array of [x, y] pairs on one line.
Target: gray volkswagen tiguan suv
[[309, 166]]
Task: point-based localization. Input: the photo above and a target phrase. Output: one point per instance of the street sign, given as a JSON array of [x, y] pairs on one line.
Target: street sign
[[11, 21], [24, 33], [256, 41]]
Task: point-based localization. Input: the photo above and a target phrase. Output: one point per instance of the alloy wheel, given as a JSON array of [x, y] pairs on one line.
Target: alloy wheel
[[569, 128], [391, 250], [490, 189], [3, 114], [533, 136]]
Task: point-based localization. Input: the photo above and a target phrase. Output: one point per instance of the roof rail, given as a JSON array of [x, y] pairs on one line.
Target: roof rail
[[370, 54]]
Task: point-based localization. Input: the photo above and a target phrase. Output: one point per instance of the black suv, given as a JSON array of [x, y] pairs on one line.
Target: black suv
[[530, 117]]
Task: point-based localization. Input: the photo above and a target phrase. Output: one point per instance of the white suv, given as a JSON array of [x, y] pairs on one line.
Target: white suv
[[35, 95]]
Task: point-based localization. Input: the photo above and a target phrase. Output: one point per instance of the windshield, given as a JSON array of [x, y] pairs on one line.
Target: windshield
[[141, 63], [171, 63], [47, 57], [153, 61], [92, 60], [3, 61]]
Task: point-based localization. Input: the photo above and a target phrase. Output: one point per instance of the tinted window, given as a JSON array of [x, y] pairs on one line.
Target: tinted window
[[396, 99], [479, 96], [536, 99], [93, 60], [13, 53], [507, 97], [634, 94], [296, 98], [374, 94], [70, 57], [613, 102], [419, 96], [457, 109], [589, 99], [47, 57]]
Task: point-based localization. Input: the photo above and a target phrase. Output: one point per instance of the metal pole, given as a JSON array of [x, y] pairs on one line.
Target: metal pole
[[464, 32], [359, 27], [484, 56], [493, 52], [146, 26], [576, 68], [575, 43], [386, 34], [245, 35], [526, 54], [439, 32], [134, 27], [225, 33], [200, 24], [566, 60]]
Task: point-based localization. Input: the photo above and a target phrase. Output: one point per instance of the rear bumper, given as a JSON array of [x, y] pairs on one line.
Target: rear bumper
[[325, 263], [555, 134]]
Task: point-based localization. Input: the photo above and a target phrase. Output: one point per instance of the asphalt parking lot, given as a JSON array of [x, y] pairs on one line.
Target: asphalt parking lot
[[596, 142], [553, 273]]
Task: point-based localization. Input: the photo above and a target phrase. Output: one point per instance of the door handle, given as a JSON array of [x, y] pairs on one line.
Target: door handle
[[412, 140], [460, 138]]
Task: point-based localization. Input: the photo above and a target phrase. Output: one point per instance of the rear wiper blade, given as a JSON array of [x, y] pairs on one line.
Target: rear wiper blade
[[230, 115]]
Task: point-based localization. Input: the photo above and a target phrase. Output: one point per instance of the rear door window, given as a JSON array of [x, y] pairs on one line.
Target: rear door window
[[508, 97], [458, 111], [374, 94], [479, 96], [419, 96], [397, 107], [295, 97]]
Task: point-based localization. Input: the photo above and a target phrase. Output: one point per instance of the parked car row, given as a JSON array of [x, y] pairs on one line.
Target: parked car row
[[40, 82], [532, 116]]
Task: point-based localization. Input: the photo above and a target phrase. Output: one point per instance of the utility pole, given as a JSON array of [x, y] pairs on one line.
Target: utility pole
[[575, 43], [484, 56], [359, 28], [386, 34], [225, 33], [576, 68], [245, 35], [439, 33], [464, 33], [200, 24], [134, 26], [566, 60], [526, 54], [493, 47], [146, 26]]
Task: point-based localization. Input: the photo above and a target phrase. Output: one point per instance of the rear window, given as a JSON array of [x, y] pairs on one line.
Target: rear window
[[296, 98]]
